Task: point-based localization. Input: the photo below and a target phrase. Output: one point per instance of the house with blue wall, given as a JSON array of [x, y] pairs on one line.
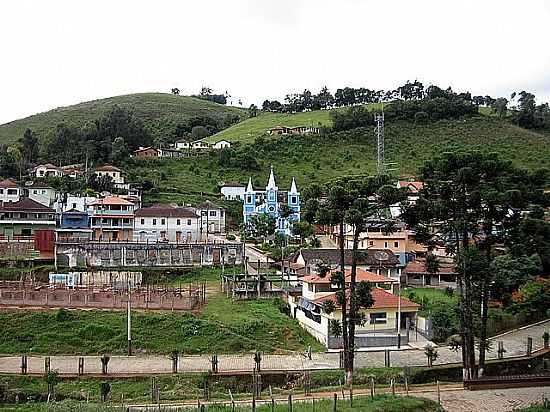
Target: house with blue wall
[[270, 202]]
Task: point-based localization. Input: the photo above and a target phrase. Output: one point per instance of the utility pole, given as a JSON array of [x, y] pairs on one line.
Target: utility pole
[[129, 320], [380, 162]]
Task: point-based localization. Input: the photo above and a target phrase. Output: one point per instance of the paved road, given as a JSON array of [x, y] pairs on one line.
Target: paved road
[[514, 343]]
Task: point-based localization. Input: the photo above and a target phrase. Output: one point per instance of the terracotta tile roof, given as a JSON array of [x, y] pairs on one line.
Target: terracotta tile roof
[[48, 166], [111, 200], [160, 210], [107, 168], [418, 266], [382, 300], [362, 275], [414, 187], [232, 184], [8, 183], [143, 149], [24, 205], [208, 205], [369, 257]]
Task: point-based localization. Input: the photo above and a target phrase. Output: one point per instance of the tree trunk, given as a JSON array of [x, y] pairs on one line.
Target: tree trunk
[[344, 299], [352, 307], [484, 310]]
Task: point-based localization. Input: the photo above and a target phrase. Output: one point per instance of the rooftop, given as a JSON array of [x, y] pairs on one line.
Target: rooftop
[[370, 257], [107, 168], [382, 300], [160, 210], [418, 266], [8, 183], [25, 205], [361, 276], [111, 200]]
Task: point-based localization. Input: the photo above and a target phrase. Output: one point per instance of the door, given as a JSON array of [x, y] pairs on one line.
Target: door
[[178, 237]]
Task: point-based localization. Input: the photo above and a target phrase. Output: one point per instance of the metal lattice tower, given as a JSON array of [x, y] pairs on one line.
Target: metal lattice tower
[[380, 165]]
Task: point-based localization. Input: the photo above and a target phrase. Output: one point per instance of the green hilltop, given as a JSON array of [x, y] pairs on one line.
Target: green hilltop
[[160, 113]]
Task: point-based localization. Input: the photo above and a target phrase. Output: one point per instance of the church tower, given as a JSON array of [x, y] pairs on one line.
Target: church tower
[[249, 201], [294, 201], [271, 191]]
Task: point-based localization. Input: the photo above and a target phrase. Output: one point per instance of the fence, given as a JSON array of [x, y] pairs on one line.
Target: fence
[[18, 294]]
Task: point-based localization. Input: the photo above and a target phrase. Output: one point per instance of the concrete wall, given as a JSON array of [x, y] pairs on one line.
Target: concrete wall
[[96, 254]]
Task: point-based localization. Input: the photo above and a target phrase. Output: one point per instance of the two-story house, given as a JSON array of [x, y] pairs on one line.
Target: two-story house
[[112, 218], [73, 225], [166, 223], [23, 218], [10, 191], [48, 170], [380, 326], [41, 192], [212, 218]]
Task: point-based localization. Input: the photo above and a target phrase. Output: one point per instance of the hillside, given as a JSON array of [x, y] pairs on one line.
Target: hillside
[[160, 112], [247, 130], [320, 158]]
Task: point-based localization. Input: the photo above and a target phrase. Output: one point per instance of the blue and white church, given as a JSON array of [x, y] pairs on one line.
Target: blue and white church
[[270, 201]]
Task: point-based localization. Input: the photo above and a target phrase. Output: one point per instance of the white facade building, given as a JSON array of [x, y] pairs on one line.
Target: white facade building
[[233, 191], [221, 144], [48, 170], [41, 193], [212, 218], [10, 191], [165, 223], [112, 171]]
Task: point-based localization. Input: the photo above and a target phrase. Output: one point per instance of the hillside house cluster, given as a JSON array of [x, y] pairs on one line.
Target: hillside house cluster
[[181, 148], [296, 130]]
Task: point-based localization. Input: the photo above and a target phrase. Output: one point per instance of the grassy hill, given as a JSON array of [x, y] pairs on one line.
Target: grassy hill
[[160, 112], [247, 130], [320, 158]]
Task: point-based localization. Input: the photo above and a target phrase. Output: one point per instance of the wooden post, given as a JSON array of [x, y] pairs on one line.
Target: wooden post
[[254, 399], [392, 385], [500, 350], [529, 345], [232, 401], [290, 403], [24, 364], [80, 366], [334, 402], [47, 364], [406, 385], [372, 387], [272, 400], [438, 394]]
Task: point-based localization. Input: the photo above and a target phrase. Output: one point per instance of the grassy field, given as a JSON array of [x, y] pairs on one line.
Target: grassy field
[[160, 112], [321, 158], [380, 403], [222, 326], [247, 130]]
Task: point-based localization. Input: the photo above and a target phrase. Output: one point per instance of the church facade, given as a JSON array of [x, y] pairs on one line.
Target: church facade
[[270, 201]]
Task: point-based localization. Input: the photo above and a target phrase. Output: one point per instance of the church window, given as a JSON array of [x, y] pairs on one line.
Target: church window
[[293, 200], [271, 209], [271, 196], [248, 199]]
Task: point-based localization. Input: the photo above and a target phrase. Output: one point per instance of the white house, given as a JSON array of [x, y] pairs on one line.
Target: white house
[[233, 190], [166, 223], [380, 328], [221, 144], [112, 171], [182, 145], [41, 193], [200, 145], [10, 191], [212, 218], [48, 170], [75, 202]]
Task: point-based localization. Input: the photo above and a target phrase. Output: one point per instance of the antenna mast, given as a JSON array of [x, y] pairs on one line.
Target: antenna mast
[[380, 165]]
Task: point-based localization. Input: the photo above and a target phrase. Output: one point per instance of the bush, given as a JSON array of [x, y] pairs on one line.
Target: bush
[[230, 237], [421, 118]]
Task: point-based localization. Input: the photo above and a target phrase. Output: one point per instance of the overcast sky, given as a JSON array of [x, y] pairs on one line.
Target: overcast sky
[[56, 53]]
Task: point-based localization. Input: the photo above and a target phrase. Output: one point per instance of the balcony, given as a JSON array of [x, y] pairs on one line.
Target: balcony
[[122, 213]]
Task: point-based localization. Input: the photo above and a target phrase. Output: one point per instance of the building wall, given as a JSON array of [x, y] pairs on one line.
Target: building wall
[[45, 196], [114, 175], [211, 220], [233, 192], [10, 194], [180, 229]]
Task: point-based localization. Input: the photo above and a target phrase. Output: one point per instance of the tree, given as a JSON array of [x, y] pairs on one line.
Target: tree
[[500, 107], [199, 132], [262, 226], [15, 153], [475, 200], [302, 229], [119, 151], [252, 110], [52, 379], [29, 147], [175, 91], [350, 202]]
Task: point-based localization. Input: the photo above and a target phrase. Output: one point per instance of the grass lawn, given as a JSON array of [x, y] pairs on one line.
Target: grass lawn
[[222, 326], [380, 403], [247, 130]]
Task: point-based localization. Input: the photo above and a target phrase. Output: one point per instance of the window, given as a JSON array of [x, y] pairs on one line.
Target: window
[[395, 244], [1, 191], [213, 213], [221, 213], [188, 222], [378, 318], [371, 243], [248, 199], [293, 200], [74, 205], [12, 191], [142, 221], [35, 191], [385, 245], [162, 221], [154, 222], [178, 222]]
